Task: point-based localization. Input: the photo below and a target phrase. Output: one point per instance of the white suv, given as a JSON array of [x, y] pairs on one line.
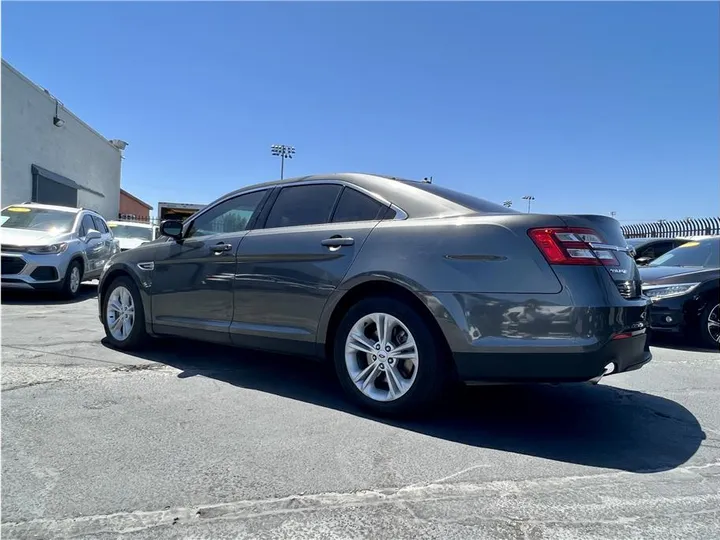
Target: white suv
[[53, 247]]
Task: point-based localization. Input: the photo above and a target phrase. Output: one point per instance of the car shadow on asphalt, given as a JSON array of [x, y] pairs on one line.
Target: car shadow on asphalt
[[36, 298], [679, 343], [595, 425]]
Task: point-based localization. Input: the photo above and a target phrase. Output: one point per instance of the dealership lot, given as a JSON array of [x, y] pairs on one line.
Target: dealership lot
[[193, 440]]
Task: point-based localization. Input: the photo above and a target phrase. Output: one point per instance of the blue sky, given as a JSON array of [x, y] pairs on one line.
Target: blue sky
[[590, 107]]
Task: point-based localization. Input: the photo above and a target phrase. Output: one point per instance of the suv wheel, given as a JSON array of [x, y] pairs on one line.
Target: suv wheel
[[73, 279], [122, 314], [387, 359]]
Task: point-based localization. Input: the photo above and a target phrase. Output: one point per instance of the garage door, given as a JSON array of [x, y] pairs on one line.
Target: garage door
[[51, 188]]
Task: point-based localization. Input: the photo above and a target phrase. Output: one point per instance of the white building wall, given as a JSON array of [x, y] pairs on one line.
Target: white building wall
[[74, 151]]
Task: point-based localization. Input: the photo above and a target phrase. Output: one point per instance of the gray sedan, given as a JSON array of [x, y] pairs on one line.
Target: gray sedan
[[406, 287]]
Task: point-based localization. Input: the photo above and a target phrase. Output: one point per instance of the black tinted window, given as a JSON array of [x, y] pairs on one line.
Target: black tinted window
[[87, 224], [468, 201], [303, 205], [232, 215], [354, 206]]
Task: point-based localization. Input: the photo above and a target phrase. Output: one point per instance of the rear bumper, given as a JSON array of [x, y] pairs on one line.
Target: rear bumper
[[626, 354], [542, 337]]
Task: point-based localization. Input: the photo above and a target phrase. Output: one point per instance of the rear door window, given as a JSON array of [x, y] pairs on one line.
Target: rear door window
[[303, 205], [355, 206]]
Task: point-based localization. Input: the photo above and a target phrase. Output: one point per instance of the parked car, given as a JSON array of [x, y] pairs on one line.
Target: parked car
[[405, 286], [131, 234], [684, 285], [52, 247], [649, 249]]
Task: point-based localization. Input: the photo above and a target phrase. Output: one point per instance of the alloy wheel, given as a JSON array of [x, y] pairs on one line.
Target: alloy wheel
[[74, 279], [381, 357], [120, 313]]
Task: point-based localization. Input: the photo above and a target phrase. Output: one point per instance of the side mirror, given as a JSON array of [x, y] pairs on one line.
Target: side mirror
[[642, 261], [172, 228], [92, 234]]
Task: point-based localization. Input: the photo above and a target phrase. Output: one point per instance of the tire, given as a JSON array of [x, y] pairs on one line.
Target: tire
[[709, 333], [73, 280], [423, 381], [131, 334]]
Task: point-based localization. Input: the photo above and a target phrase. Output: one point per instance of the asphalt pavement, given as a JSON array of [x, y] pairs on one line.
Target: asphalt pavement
[[188, 440]]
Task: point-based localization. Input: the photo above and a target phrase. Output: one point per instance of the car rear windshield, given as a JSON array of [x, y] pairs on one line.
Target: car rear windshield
[[475, 204], [131, 231], [37, 219], [703, 253]]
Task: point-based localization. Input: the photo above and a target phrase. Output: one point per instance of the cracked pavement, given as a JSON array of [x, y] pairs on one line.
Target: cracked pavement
[[187, 440]]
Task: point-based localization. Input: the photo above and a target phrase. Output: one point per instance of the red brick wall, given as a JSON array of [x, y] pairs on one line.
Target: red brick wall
[[128, 205]]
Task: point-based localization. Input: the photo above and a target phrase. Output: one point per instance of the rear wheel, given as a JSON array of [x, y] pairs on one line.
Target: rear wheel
[[710, 325], [387, 359], [123, 315]]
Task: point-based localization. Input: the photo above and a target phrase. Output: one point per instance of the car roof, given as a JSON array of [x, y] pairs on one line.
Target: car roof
[[68, 209], [406, 194], [130, 223]]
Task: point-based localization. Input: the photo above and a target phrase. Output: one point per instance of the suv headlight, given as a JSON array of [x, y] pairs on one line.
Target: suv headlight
[[656, 292], [52, 249]]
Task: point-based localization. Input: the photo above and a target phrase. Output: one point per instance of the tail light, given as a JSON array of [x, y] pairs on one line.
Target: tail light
[[564, 245]]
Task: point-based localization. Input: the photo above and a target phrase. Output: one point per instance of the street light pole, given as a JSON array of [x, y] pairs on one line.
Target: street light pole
[[284, 151], [529, 199], [507, 204]]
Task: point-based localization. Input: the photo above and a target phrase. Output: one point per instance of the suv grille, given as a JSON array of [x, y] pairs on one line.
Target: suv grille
[[15, 249], [12, 265], [629, 289]]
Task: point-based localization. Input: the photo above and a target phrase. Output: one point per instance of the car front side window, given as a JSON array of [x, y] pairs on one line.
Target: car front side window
[[86, 225], [232, 215], [303, 205]]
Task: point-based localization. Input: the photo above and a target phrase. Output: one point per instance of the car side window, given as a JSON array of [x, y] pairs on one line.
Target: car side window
[[86, 224], [355, 206], [232, 215], [100, 225], [303, 205]]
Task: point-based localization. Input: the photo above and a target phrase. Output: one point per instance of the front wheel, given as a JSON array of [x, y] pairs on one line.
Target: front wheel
[[710, 325], [123, 315], [72, 281], [387, 359]]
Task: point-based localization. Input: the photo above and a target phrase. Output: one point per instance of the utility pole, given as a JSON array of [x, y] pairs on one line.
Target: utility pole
[[529, 199], [283, 151]]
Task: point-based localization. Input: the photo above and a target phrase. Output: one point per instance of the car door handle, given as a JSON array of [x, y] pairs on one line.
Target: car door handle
[[221, 247], [338, 241]]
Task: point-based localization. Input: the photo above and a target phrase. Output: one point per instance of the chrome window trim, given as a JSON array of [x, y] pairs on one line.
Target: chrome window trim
[[400, 214]]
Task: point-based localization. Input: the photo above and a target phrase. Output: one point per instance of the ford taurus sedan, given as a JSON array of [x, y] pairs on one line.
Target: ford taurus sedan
[[404, 286]]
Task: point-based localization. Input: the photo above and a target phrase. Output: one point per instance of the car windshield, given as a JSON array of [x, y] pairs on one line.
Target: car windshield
[[131, 231], [703, 253], [37, 219], [637, 242]]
